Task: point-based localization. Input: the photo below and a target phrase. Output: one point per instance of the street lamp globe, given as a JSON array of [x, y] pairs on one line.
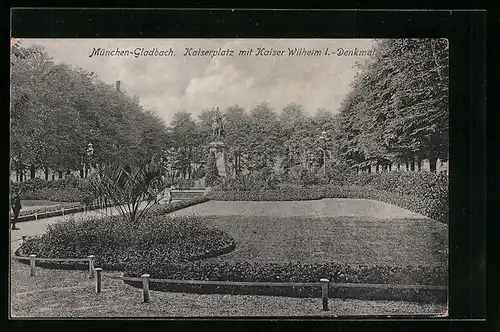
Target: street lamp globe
[[90, 149]]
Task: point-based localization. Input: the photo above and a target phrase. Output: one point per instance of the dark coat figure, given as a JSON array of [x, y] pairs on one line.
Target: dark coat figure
[[16, 207]]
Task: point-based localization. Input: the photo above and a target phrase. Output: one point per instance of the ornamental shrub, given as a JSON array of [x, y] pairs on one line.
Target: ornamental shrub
[[114, 241]]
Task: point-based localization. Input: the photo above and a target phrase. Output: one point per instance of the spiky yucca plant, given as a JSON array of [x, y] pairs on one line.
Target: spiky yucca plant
[[133, 190]]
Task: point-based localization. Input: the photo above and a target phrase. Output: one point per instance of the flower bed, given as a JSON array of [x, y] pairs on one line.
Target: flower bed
[[114, 241]]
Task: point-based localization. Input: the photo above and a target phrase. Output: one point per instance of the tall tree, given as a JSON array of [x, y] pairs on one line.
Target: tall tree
[[184, 135], [265, 141], [398, 107], [237, 137]]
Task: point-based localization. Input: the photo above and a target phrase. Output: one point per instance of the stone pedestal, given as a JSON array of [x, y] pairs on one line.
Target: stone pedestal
[[219, 149]]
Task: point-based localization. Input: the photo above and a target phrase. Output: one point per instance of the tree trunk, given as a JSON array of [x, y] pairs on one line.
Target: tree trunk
[[32, 171], [68, 171], [432, 164], [407, 165], [46, 170], [60, 174], [236, 164], [412, 164], [81, 172]]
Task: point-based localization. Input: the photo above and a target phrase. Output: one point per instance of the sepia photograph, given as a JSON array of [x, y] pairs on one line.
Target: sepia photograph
[[176, 178]]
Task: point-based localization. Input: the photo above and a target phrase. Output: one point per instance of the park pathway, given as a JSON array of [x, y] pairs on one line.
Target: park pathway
[[319, 208]]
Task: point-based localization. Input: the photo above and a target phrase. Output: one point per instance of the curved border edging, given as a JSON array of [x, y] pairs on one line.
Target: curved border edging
[[421, 294], [110, 267]]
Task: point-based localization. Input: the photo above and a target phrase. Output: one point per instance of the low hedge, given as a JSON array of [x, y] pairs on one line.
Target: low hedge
[[419, 276], [50, 208], [293, 271], [288, 194]]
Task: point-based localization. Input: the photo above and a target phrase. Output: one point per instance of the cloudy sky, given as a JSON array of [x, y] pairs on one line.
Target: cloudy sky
[[166, 85]]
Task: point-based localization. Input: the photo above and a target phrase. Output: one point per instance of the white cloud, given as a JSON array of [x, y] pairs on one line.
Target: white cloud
[[169, 84]]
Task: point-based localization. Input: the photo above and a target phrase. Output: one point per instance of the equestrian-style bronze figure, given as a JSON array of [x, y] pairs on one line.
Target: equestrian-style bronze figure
[[218, 125]]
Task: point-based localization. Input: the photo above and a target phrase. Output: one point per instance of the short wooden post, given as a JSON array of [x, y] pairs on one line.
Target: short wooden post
[[98, 280], [91, 266], [36, 216], [324, 293], [145, 287], [62, 211], [32, 265]]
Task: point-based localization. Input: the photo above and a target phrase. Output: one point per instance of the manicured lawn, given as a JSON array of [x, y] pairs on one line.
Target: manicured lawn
[[351, 240], [57, 293], [328, 207]]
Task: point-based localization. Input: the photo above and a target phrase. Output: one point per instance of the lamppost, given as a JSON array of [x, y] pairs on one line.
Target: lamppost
[[90, 153], [324, 139]]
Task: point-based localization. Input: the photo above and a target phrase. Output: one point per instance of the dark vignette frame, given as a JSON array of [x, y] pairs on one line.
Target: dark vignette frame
[[466, 31]]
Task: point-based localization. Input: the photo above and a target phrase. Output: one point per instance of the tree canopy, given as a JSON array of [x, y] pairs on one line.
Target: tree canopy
[[398, 106], [397, 109]]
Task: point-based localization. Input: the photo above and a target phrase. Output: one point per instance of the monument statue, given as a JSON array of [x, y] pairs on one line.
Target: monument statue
[[218, 126], [217, 146]]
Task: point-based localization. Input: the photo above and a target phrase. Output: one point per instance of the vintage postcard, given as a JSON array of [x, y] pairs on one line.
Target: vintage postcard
[[229, 178]]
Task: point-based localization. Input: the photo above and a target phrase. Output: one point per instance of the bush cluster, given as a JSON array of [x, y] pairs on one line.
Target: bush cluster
[[114, 241], [284, 194], [37, 184], [251, 271], [422, 192], [63, 190]]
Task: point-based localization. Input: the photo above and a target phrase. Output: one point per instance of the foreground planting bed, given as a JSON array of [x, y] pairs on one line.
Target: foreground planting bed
[[378, 258]]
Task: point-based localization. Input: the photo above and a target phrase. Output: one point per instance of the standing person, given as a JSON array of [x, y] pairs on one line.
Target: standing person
[[16, 207]]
